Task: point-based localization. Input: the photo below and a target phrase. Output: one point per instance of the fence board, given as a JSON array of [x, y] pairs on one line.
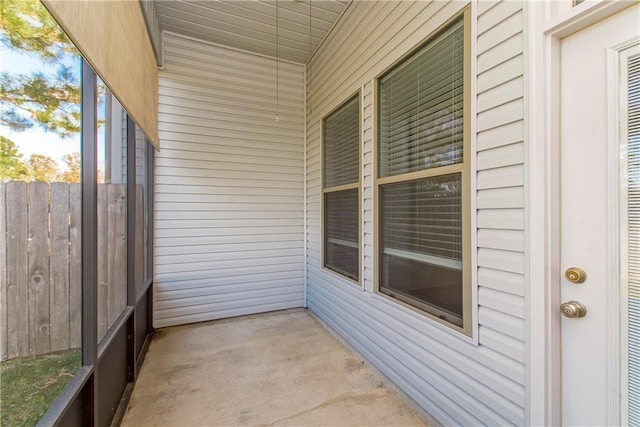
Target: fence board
[[75, 268], [17, 270], [3, 270], [117, 248], [59, 266], [103, 260], [39, 342], [41, 265]]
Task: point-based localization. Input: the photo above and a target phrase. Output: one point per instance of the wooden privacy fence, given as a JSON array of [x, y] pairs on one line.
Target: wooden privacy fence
[[40, 265]]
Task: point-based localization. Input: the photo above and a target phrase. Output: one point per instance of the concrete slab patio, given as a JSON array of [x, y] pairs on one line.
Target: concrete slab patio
[[282, 369]]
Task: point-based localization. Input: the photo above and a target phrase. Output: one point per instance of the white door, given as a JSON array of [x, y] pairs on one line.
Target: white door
[[592, 387]]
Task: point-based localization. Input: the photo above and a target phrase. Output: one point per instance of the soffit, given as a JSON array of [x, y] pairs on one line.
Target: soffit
[[250, 25]]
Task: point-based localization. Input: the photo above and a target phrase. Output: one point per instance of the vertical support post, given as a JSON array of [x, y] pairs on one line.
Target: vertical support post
[[150, 189], [88, 239], [131, 246]]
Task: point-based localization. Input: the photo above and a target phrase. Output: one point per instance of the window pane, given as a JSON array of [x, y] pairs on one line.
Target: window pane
[[341, 232], [142, 211], [41, 205], [421, 244], [112, 209], [421, 107], [341, 141], [633, 230]]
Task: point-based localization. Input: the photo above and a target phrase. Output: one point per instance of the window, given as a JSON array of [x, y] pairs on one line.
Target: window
[[112, 209], [341, 189], [142, 212], [41, 205], [422, 181]]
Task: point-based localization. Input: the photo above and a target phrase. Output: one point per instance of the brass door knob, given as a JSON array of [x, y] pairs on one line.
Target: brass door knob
[[575, 275], [573, 309]]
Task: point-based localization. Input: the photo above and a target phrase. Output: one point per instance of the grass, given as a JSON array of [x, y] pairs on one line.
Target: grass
[[29, 385]]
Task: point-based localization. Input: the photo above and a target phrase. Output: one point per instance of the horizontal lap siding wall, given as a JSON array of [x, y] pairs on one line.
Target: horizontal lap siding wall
[[229, 194], [453, 379]]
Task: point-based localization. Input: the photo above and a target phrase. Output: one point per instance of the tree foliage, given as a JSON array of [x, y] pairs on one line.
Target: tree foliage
[[12, 166], [72, 174], [43, 168], [49, 100], [40, 168], [27, 26]]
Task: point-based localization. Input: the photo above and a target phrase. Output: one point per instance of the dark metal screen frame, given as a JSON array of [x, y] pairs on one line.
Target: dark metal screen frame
[[78, 403]]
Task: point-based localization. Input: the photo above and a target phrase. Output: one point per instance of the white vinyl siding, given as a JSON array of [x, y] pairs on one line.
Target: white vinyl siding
[[228, 185], [454, 379]]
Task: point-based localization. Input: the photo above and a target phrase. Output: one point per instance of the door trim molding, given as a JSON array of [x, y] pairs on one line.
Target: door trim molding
[[542, 258]]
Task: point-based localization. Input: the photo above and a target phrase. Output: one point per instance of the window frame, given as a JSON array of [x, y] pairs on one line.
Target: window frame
[[463, 168], [337, 188]]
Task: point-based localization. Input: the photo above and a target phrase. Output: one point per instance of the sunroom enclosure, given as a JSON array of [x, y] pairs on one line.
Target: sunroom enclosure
[[77, 256], [403, 174]]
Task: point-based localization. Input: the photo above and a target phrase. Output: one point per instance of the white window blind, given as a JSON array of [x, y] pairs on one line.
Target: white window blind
[[421, 107], [341, 140], [421, 129], [341, 245], [421, 244], [424, 217], [633, 224]]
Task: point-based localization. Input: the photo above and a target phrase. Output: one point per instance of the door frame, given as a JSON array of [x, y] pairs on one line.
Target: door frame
[[545, 24]]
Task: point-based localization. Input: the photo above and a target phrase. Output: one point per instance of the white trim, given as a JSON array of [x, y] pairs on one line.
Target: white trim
[[613, 239], [473, 172], [538, 409], [583, 16], [162, 38], [361, 165], [543, 402], [305, 210]]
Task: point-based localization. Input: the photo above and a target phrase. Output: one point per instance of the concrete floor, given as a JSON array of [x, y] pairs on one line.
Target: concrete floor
[[282, 369]]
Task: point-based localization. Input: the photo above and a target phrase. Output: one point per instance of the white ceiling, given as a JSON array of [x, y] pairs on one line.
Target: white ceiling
[[251, 24]]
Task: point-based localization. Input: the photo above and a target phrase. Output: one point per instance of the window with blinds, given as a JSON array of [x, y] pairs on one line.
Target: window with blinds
[[421, 107], [633, 234], [341, 185], [421, 179]]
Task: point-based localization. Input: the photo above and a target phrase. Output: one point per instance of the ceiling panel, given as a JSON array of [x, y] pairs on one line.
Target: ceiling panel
[[252, 25]]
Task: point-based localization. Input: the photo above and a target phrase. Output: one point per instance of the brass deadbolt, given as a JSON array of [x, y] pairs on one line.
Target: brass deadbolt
[[575, 275], [573, 309]]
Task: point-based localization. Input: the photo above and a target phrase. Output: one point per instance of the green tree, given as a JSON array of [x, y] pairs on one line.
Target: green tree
[[51, 101], [12, 167], [43, 168], [27, 26], [72, 174]]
